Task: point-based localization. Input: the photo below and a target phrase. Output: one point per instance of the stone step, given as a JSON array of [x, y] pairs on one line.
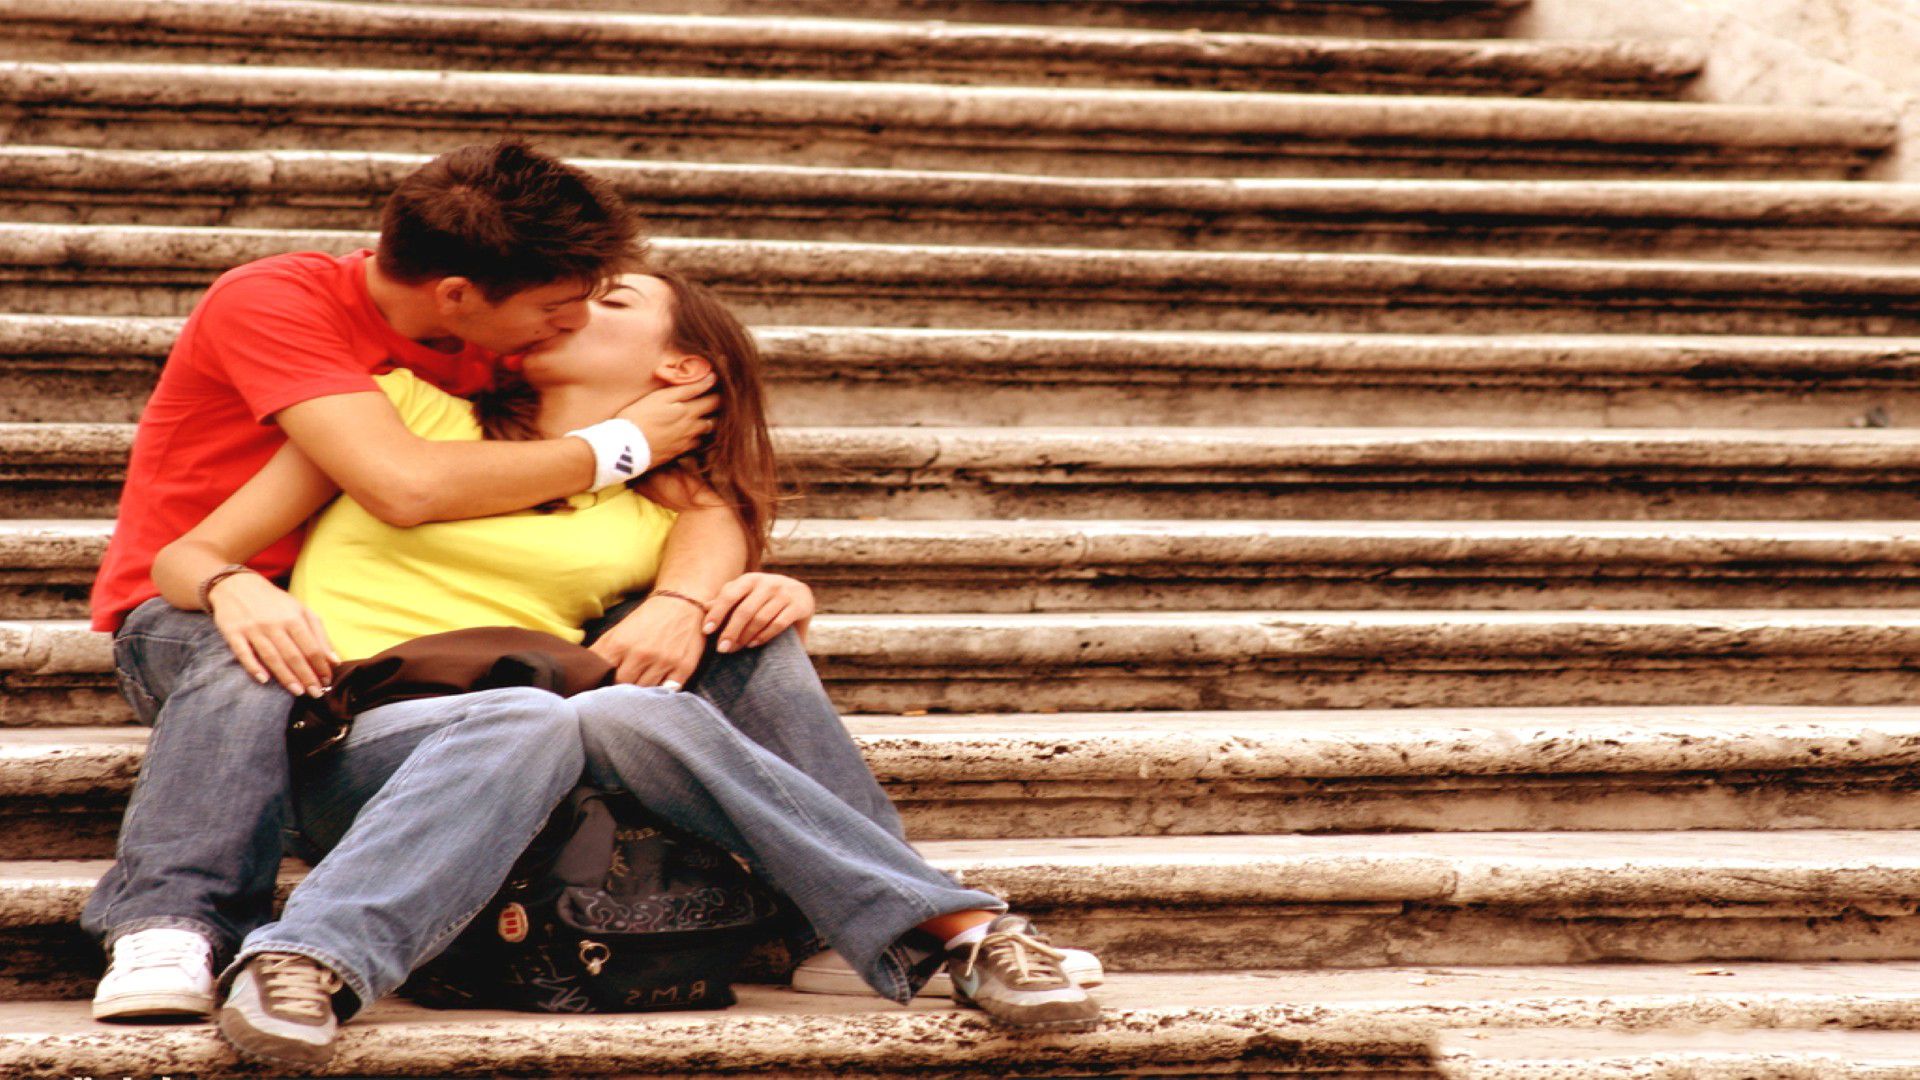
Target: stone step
[[1271, 1023], [163, 270], [1694, 219], [1226, 903], [918, 125], [63, 789], [56, 672], [1681, 1054], [81, 368], [324, 33], [75, 470], [894, 567], [1347, 18]]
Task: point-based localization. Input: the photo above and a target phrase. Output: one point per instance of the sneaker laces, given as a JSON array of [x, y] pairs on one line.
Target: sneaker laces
[[147, 950], [1021, 947], [296, 986]]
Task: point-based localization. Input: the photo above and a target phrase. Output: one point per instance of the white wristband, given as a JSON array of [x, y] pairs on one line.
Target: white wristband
[[620, 451]]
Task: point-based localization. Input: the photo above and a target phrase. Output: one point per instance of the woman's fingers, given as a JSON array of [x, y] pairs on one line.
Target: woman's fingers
[[294, 656], [724, 601], [771, 620], [733, 635], [319, 630], [274, 657], [243, 652], [313, 655]]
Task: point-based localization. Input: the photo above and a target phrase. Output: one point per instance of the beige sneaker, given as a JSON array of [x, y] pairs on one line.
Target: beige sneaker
[[829, 973], [280, 1011], [1015, 976]]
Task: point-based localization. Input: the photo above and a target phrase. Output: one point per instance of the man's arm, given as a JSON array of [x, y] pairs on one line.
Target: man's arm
[[359, 441], [664, 638], [271, 633]]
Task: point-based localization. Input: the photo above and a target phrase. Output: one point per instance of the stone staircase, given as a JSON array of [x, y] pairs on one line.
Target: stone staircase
[[1403, 539]]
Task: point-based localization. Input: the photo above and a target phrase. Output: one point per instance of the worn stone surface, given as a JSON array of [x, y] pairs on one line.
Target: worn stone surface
[[1635, 218], [62, 790], [82, 368], [1112, 132], [1238, 902], [162, 270], [1274, 1022], [1680, 1054], [1016, 566], [1371, 18], [74, 470], [1344, 18], [622, 43], [57, 672]]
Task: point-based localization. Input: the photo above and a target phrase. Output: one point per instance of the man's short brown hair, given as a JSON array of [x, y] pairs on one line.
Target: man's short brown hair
[[506, 217]]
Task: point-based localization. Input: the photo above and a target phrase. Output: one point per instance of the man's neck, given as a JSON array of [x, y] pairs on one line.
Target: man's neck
[[408, 310]]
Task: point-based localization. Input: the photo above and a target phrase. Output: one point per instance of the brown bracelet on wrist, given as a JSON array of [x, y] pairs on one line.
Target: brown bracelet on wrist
[[678, 596], [205, 592]]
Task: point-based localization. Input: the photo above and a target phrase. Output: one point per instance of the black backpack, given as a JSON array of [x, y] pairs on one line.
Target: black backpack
[[609, 910]]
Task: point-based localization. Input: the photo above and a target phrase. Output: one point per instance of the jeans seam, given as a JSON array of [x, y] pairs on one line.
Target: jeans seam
[[899, 985], [454, 929]]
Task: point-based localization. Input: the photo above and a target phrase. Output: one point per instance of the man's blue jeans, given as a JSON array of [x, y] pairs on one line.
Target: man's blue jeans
[[201, 841]]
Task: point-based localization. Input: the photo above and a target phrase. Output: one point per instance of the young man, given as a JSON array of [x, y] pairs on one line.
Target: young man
[[486, 251]]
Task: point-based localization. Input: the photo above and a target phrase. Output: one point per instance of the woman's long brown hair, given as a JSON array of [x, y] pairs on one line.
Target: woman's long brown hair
[[737, 459]]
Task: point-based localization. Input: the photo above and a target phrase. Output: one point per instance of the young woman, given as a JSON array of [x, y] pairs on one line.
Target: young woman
[[428, 802]]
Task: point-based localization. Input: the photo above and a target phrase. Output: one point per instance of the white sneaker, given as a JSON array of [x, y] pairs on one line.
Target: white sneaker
[[829, 973], [157, 974]]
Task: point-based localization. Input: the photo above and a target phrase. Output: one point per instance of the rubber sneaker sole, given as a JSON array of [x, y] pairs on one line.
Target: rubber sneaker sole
[[1083, 967], [1087, 1023], [258, 1046], [154, 1005]]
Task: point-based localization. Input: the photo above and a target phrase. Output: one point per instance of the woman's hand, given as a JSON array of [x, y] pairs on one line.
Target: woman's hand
[[760, 606], [660, 642], [272, 634]]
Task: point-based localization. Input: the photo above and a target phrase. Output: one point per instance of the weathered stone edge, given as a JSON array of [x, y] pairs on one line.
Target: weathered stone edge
[[1187, 114], [1291, 1023], [1862, 548], [1709, 874], [1211, 455], [1088, 356], [313, 25], [1697, 1054], [1251, 745], [373, 174], [1239, 275], [880, 643]]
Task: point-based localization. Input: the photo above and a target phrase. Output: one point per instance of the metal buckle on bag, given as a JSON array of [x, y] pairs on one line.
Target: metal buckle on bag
[[595, 956]]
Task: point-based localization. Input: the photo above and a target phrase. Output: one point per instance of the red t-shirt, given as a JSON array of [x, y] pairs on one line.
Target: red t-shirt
[[267, 335]]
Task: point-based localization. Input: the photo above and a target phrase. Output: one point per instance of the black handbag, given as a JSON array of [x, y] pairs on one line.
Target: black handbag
[[610, 910]]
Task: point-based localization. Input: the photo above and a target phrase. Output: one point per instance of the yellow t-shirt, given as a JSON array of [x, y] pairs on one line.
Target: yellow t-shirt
[[375, 585]]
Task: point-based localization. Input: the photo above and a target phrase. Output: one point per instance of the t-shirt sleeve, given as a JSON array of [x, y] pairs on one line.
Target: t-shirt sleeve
[[425, 409], [279, 343]]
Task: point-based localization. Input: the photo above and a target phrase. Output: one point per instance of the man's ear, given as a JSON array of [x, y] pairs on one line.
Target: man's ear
[[683, 369], [453, 293]]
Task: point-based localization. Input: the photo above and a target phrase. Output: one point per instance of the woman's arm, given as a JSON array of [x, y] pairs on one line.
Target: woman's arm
[[271, 633]]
